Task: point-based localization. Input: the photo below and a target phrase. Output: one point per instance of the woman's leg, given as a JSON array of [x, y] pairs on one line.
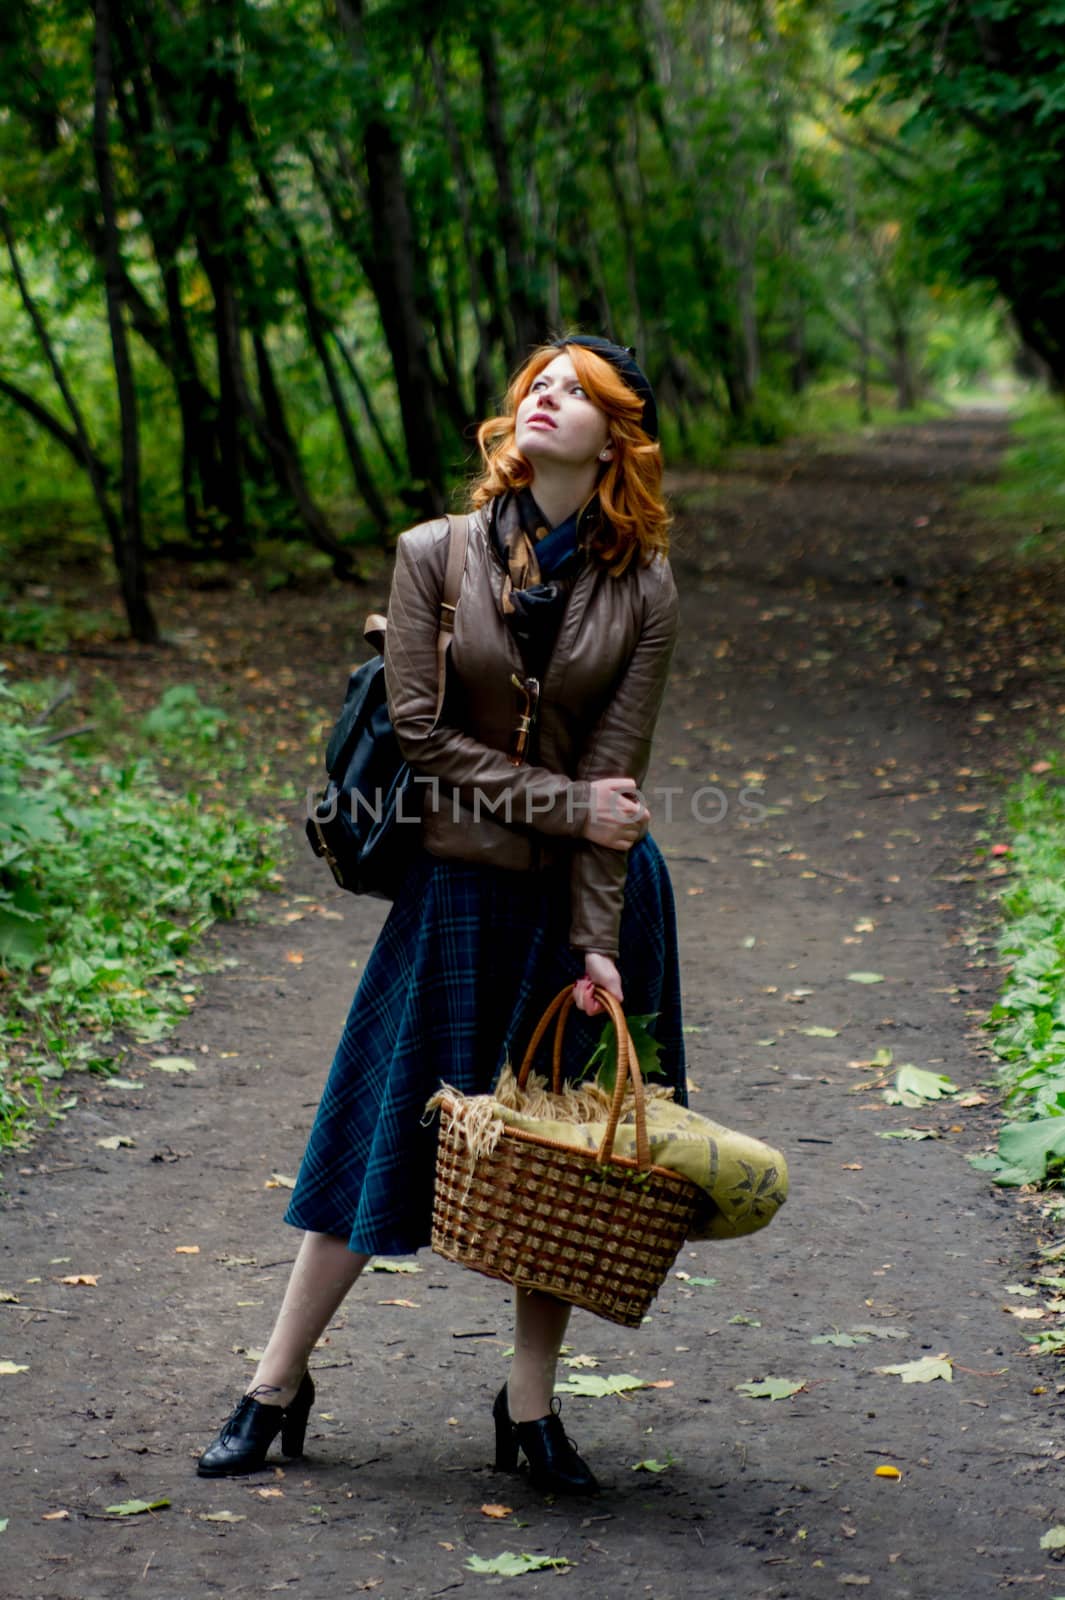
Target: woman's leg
[[540, 1327], [322, 1274]]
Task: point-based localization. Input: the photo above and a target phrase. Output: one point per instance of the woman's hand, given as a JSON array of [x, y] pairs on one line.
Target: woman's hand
[[616, 813], [602, 971]]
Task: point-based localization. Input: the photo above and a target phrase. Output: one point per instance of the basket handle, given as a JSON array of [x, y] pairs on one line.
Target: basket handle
[[628, 1070]]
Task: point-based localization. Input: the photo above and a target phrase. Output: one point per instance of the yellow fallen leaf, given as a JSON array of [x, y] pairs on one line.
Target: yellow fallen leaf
[[412, 1305], [7, 1298], [277, 1180], [88, 1278], [295, 957], [445, 1544], [497, 1511], [269, 1494], [660, 1383], [55, 1516], [186, 1249], [9, 1368], [1026, 1313], [851, 1166], [888, 1472]]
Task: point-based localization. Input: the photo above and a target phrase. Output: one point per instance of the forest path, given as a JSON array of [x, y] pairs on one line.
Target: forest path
[[848, 651]]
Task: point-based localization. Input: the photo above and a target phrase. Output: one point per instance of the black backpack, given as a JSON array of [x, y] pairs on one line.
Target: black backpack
[[366, 822]]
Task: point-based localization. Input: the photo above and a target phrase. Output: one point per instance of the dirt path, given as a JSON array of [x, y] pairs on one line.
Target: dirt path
[[845, 653]]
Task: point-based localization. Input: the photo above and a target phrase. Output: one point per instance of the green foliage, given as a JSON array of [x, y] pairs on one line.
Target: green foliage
[[983, 92], [108, 879], [1029, 495], [1028, 1019]]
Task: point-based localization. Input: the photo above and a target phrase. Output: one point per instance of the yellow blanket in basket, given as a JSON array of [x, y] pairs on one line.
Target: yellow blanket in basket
[[746, 1180]]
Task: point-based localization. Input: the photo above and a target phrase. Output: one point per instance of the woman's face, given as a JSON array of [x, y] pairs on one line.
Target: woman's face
[[558, 423]]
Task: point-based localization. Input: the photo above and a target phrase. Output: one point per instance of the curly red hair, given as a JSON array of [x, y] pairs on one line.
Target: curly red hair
[[635, 519]]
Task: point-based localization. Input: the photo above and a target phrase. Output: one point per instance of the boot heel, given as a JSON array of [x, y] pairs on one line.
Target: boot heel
[[294, 1423], [506, 1443]]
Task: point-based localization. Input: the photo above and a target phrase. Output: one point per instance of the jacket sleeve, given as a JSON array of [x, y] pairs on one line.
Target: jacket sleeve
[[526, 796], [620, 746]]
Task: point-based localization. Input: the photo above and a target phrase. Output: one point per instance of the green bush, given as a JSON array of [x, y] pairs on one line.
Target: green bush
[[108, 878]]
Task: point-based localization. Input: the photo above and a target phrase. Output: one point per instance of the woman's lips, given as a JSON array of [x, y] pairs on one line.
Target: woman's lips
[[542, 418]]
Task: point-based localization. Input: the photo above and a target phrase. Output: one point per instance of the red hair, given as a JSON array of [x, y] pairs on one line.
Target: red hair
[[635, 519]]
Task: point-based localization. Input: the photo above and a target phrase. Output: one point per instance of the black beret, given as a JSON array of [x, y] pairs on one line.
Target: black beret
[[623, 360]]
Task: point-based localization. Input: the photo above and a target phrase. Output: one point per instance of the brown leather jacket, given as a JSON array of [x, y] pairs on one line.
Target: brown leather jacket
[[598, 707]]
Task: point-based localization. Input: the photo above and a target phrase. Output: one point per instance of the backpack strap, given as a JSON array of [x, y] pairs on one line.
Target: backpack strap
[[458, 539]]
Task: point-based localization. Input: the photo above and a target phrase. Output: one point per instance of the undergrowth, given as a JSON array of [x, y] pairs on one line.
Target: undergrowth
[[1028, 1020], [114, 860]]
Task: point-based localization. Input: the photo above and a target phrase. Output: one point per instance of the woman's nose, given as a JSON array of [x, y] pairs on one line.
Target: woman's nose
[[548, 396]]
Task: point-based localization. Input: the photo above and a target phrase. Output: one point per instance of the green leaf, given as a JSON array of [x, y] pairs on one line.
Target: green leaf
[[909, 1133], [651, 1465], [9, 1368], [1054, 1538], [386, 1264], [926, 1370], [865, 977], [509, 1565], [221, 1516], [771, 1388], [116, 1141], [586, 1383], [742, 1321], [843, 1340], [1032, 1147], [1023, 1288], [702, 1283], [820, 1033], [3, 1524], [603, 1061], [173, 1064], [913, 1087], [133, 1508]]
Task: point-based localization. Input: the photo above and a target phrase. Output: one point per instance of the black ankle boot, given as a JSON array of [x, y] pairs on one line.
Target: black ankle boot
[[247, 1434], [554, 1464]]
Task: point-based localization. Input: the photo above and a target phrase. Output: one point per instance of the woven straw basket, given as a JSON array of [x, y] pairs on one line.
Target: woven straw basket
[[598, 1230]]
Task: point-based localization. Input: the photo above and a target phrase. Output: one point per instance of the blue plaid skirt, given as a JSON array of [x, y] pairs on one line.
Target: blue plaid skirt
[[461, 972]]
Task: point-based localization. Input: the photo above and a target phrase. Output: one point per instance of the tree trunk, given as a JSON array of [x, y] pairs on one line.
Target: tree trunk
[[130, 554], [528, 314], [318, 328], [394, 281]]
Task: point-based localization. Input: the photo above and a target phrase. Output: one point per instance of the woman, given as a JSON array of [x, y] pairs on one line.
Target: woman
[[537, 868]]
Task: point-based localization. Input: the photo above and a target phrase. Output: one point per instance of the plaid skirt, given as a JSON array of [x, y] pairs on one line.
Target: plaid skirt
[[461, 972]]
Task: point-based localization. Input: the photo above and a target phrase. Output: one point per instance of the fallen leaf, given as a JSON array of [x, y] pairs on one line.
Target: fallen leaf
[[134, 1508], [820, 1033], [9, 1368], [509, 1565], [1054, 1538], [926, 1370], [888, 1472], [909, 1133], [1026, 1313], [854, 1578], [186, 1249], [851, 1166], [173, 1064], [412, 1305], [277, 1180], [7, 1298], [843, 1340], [385, 1264], [269, 1494], [586, 1383], [294, 957], [915, 1087], [86, 1278], [865, 977], [221, 1516], [55, 1516], [651, 1465], [660, 1383], [116, 1141], [771, 1388], [579, 1361], [445, 1544], [3, 1524], [497, 1511], [741, 1321], [1022, 1288]]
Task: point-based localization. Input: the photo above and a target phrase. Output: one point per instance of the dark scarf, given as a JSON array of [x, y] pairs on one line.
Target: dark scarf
[[540, 568]]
